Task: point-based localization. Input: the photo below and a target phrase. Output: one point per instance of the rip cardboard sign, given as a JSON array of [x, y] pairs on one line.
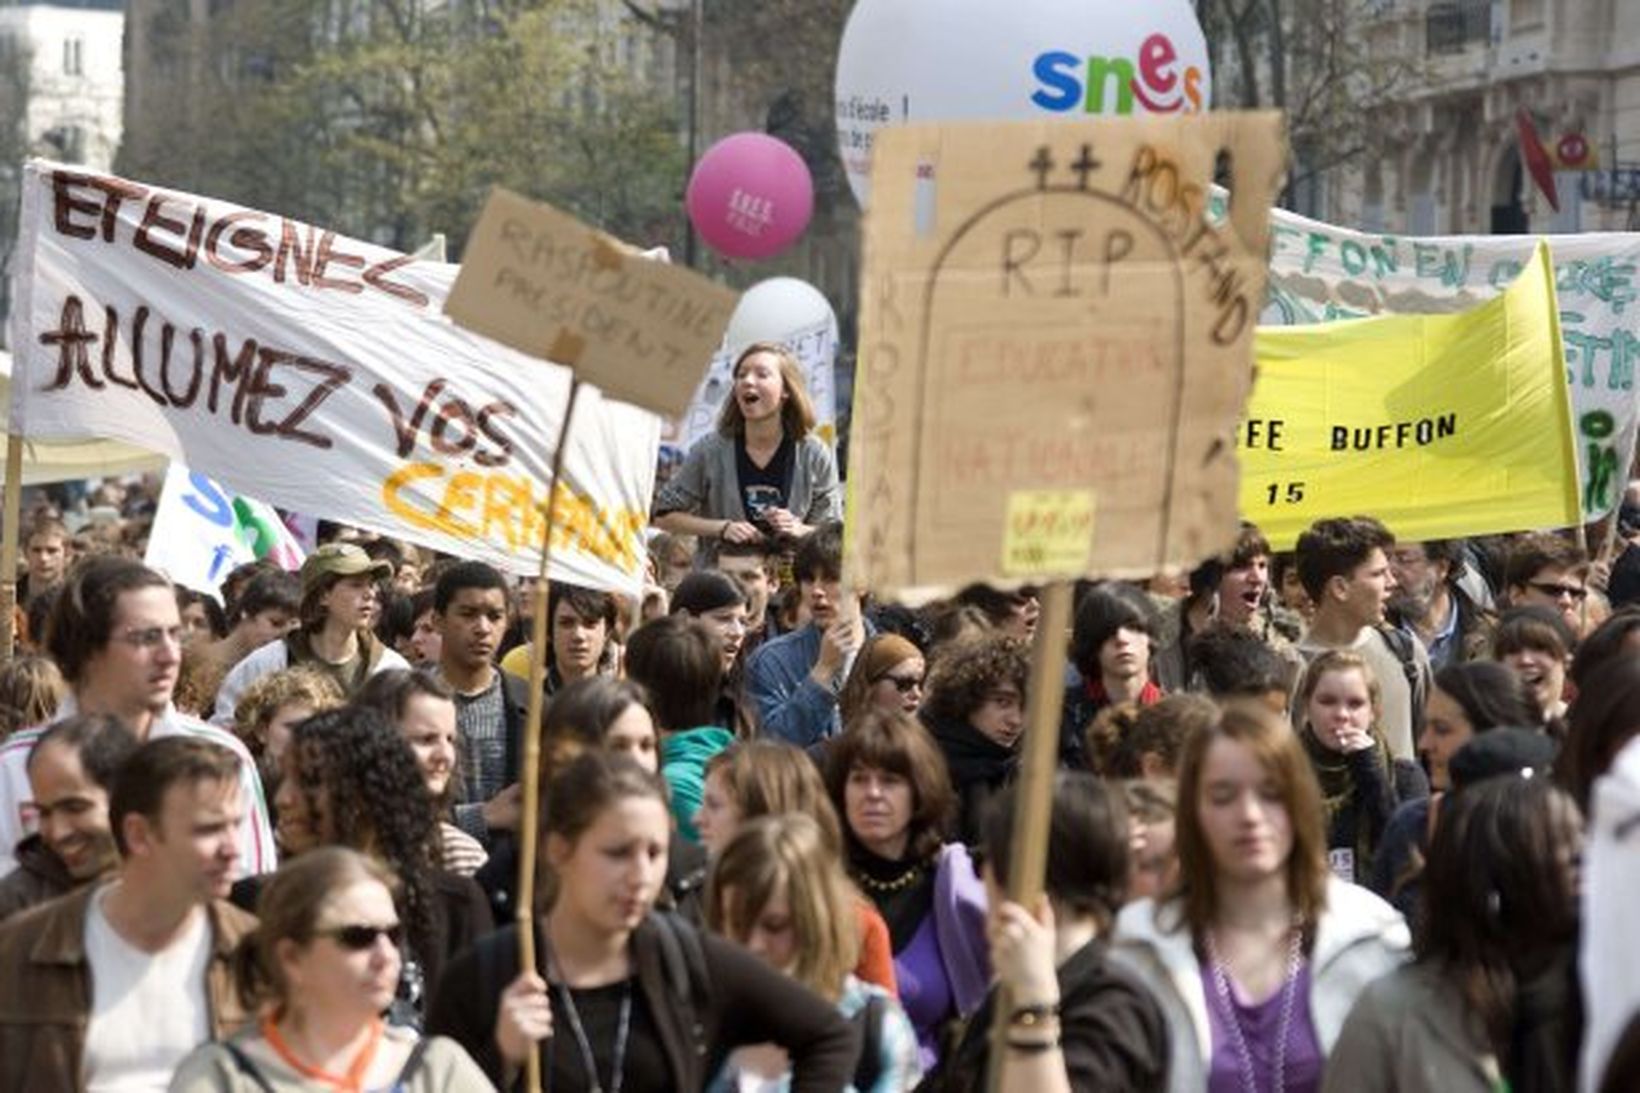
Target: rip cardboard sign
[[541, 281], [1055, 348]]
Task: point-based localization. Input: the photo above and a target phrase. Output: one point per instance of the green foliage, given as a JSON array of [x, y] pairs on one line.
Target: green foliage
[[392, 119]]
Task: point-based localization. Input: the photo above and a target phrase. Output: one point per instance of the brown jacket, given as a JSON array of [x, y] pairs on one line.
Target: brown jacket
[[45, 991]]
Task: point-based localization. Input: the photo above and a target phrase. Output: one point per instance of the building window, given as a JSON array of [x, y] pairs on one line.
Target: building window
[[73, 56]]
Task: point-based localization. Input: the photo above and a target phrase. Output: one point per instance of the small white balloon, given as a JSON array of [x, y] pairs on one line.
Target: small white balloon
[[948, 60], [778, 310]]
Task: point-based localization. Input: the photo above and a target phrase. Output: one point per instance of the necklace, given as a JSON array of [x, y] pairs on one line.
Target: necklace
[[623, 1026], [1232, 1020], [351, 1082], [904, 880]]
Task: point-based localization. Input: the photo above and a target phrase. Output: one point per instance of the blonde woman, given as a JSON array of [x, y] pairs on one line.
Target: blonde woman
[[763, 475], [1256, 953], [778, 889], [322, 965]]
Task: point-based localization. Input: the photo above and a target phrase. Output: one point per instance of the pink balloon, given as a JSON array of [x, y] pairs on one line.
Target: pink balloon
[[751, 196]]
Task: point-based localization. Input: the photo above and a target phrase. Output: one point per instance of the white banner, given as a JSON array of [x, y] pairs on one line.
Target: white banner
[[315, 372], [1320, 272], [202, 531]]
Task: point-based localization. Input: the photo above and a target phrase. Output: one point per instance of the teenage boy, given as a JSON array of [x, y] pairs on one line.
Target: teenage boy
[[794, 680], [1344, 564], [470, 609]]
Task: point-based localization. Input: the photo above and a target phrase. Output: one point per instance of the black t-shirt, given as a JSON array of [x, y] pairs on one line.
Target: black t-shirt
[[763, 488], [644, 1069]]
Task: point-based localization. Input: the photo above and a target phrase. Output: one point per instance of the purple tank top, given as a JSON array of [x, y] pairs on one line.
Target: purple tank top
[[1261, 1029], [925, 990]]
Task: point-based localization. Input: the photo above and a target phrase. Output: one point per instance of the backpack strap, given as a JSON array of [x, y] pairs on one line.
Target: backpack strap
[[247, 1067], [869, 1067], [411, 1065], [1401, 644]]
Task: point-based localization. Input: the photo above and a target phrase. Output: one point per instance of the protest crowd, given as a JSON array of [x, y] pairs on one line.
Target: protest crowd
[[1319, 820]]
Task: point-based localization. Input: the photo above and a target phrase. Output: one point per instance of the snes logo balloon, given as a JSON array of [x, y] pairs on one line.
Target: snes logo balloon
[[949, 60]]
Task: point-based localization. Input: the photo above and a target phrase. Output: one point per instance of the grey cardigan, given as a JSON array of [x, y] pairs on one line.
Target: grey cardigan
[[708, 484], [1409, 1032]]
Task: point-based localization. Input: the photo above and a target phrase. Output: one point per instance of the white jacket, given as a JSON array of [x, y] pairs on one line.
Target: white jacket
[[1359, 938], [265, 660]]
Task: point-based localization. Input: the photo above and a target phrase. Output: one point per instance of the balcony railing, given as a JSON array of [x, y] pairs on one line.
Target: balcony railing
[[1455, 25]]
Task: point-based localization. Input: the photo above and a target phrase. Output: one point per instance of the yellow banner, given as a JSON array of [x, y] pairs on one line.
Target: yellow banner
[[1439, 425]]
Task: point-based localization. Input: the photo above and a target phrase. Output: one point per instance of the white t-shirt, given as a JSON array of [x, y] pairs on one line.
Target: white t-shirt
[[148, 1010]]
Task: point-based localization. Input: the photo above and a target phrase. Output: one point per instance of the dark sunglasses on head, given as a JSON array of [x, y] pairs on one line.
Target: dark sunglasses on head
[[903, 684], [359, 937]]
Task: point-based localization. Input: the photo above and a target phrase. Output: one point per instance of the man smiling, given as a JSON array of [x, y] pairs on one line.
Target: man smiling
[[116, 635]]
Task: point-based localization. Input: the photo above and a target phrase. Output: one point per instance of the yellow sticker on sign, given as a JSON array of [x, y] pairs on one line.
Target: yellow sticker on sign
[[1049, 533]]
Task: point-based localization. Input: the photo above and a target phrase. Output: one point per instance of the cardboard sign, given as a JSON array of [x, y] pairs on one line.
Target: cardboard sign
[[1440, 425], [314, 372], [546, 284], [1046, 315]]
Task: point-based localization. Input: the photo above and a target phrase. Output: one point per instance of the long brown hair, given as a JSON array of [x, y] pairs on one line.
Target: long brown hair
[[771, 777], [788, 854], [1278, 751], [897, 743], [796, 411]]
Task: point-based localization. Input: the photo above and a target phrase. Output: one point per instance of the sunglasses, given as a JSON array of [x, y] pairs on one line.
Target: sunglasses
[[903, 684], [1556, 591], [359, 937]]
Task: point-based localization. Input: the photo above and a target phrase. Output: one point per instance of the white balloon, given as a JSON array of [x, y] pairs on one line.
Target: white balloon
[[944, 60], [778, 310]]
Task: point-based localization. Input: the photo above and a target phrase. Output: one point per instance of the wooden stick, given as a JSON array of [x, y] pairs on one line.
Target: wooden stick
[[1033, 811], [12, 532], [529, 815]]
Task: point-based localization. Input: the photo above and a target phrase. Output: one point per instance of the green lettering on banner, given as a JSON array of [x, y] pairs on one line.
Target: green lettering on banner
[[1385, 259], [1505, 271], [1314, 247], [1600, 469], [1580, 346], [1605, 279], [1354, 257], [1625, 351]]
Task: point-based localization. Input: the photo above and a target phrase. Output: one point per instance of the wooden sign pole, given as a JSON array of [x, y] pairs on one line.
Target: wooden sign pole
[[1028, 857], [530, 811], [11, 528]]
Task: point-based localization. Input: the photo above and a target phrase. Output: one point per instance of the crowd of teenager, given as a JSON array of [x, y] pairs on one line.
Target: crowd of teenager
[[1319, 824]]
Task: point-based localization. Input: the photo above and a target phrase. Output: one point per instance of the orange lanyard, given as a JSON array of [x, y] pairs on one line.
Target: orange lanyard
[[351, 1082]]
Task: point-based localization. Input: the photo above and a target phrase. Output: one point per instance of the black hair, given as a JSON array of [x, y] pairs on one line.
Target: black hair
[[1491, 695], [1498, 896], [376, 800], [1087, 868], [1103, 611], [466, 575], [273, 590], [820, 555], [147, 774], [1603, 720], [1232, 662], [1610, 639], [103, 744]]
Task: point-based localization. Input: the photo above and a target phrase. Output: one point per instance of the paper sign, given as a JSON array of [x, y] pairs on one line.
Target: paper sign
[[1321, 272], [544, 283], [1046, 309], [1440, 425], [202, 531], [314, 372], [1047, 531]]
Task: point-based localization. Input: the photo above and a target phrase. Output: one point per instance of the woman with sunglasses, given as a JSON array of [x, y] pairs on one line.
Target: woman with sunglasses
[[628, 999], [1256, 954], [887, 675], [322, 965], [352, 780]]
